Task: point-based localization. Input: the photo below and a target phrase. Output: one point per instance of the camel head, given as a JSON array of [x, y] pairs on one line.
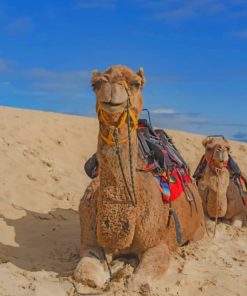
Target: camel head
[[216, 176], [216, 151], [113, 88]]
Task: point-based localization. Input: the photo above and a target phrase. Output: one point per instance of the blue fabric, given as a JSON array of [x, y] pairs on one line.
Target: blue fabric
[[164, 185]]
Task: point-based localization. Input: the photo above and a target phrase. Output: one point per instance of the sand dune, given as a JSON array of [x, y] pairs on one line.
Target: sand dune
[[41, 182]]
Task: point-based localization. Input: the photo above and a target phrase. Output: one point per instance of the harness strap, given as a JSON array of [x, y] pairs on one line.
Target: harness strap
[[200, 168], [211, 162], [128, 113], [173, 214], [145, 149], [117, 150]]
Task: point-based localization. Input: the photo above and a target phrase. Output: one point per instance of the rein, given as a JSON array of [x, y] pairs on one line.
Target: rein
[[211, 162], [128, 117], [217, 171]]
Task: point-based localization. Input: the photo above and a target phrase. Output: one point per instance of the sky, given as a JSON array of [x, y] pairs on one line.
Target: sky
[[194, 55]]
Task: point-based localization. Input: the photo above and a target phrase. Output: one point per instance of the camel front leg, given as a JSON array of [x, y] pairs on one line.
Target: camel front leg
[[154, 262], [92, 270], [237, 221]]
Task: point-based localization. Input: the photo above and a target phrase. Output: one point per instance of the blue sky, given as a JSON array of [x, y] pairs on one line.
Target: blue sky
[[194, 54]]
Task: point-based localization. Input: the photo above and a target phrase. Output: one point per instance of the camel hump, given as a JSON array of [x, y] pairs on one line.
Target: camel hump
[[156, 147]]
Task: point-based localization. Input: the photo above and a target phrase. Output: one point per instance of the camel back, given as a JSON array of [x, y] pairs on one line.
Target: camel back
[[156, 147]]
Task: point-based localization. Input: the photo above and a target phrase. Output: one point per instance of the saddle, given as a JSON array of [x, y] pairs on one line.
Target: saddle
[[163, 160], [166, 164], [235, 173]]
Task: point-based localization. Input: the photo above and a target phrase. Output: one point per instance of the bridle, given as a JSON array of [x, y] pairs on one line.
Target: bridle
[[217, 171], [211, 162], [128, 117], [122, 120]]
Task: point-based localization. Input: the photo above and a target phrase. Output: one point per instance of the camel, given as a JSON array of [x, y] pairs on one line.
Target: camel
[[218, 185], [122, 212]]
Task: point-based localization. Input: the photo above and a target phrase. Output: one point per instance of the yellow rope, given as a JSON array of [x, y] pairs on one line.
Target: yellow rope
[[110, 138]]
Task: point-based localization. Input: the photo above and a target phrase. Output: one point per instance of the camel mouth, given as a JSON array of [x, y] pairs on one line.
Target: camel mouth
[[111, 104], [113, 107]]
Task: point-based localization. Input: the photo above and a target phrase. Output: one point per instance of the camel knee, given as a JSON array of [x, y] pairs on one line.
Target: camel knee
[[91, 272]]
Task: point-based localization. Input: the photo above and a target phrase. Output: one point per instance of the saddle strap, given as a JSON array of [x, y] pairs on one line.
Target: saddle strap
[[173, 214]]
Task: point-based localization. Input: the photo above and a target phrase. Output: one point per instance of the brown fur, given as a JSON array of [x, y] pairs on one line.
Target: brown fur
[[220, 194], [120, 227]]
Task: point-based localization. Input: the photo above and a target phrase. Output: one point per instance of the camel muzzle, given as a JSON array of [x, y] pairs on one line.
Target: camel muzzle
[[223, 156], [113, 107]]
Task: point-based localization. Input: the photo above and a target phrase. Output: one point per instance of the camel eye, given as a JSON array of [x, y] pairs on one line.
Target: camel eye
[[208, 149], [135, 85], [96, 84]]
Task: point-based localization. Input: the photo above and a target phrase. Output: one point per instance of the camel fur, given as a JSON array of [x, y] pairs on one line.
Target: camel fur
[[110, 223], [220, 193]]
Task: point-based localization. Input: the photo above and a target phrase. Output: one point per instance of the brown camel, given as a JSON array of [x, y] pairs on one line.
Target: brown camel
[[218, 185], [119, 218]]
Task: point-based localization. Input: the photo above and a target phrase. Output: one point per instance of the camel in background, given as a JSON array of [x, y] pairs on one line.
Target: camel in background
[[122, 212], [219, 185]]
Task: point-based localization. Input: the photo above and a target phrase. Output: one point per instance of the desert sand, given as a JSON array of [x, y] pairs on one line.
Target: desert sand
[[41, 183]]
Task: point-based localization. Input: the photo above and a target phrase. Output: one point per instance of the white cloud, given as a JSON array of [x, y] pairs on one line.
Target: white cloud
[[6, 67], [163, 111], [181, 10], [239, 34], [19, 26], [5, 84], [166, 78], [197, 123], [3, 65], [96, 4], [44, 79], [240, 136]]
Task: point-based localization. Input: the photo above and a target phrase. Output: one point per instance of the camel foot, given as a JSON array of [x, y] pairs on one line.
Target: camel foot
[[154, 262], [91, 272], [237, 222], [85, 290], [139, 285]]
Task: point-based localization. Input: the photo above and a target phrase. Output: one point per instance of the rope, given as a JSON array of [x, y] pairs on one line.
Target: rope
[[116, 140], [130, 151], [107, 263], [217, 200], [113, 139], [127, 113]]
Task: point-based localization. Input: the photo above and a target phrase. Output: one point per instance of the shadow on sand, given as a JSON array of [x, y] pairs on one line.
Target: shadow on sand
[[47, 242]]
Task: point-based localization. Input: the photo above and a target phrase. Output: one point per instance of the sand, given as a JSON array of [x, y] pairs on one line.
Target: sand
[[41, 182]]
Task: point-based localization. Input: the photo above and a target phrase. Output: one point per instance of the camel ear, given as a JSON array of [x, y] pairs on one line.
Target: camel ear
[[228, 147], [227, 142], [141, 74], [95, 75], [204, 142]]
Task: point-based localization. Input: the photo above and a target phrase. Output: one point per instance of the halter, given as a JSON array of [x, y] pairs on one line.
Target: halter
[[130, 119], [211, 162], [122, 120], [217, 171]]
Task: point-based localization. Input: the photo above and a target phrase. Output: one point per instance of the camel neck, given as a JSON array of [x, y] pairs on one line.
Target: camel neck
[[111, 175], [116, 215]]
